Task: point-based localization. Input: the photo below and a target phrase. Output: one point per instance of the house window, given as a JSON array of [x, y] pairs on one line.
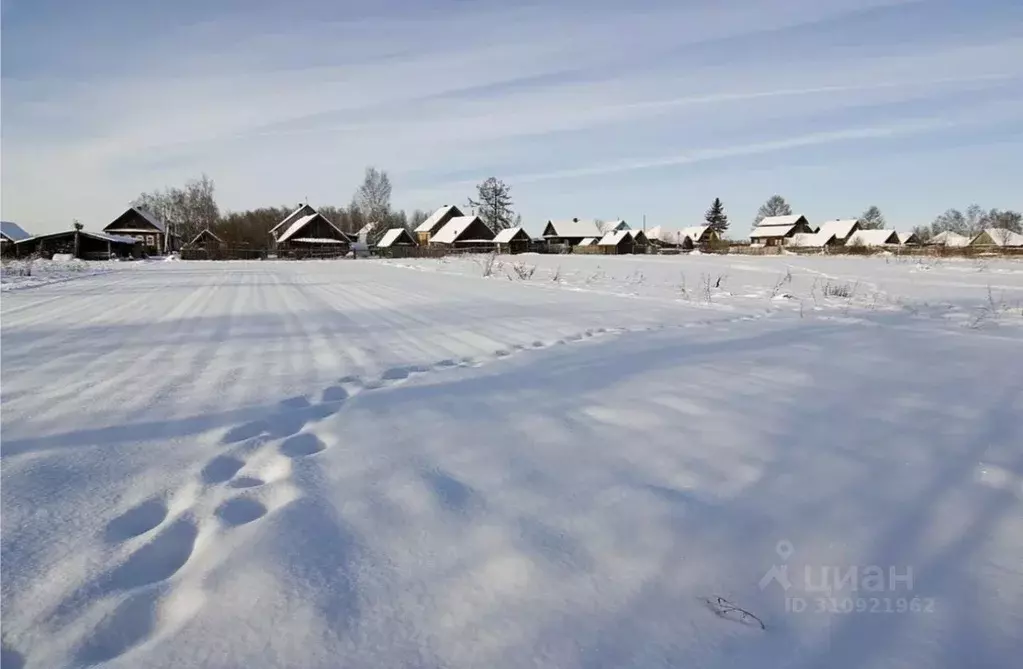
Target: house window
[[149, 240]]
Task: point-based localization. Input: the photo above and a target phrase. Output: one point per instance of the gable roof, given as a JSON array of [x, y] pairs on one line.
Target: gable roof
[[1002, 237], [771, 221], [666, 235], [873, 238], [303, 210], [393, 235], [588, 241], [611, 226], [695, 232], [907, 237], [574, 228], [949, 238], [206, 231], [840, 228], [509, 234], [295, 227], [437, 217], [638, 235], [12, 231], [811, 239], [146, 215], [614, 238], [772, 230], [454, 228]]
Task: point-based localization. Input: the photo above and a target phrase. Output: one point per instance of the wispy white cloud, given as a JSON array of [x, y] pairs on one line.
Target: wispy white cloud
[[283, 108]]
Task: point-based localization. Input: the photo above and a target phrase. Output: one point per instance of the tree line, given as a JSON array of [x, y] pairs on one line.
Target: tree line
[[193, 207]]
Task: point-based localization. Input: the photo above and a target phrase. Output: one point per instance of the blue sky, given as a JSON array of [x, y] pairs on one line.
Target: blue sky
[[586, 108]]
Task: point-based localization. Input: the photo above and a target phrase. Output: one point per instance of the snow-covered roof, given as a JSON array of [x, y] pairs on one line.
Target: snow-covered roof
[[146, 215], [841, 228], [611, 226], [101, 236], [507, 235], [666, 235], [949, 238], [905, 237], [636, 234], [206, 231], [318, 240], [366, 229], [1003, 237], [575, 228], [873, 238], [772, 230], [304, 221], [452, 229], [695, 232], [13, 231], [811, 239], [772, 221], [614, 238], [436, 217], [303, 210], [392, 236], [588, 241]]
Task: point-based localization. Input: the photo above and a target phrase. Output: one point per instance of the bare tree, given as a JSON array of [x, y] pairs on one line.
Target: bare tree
[[373, 197], [494, 204], [872, 219], [775, 206], [187, 210]]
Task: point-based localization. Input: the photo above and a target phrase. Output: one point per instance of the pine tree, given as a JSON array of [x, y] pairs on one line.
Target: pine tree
[[494, 204], [716, 217]]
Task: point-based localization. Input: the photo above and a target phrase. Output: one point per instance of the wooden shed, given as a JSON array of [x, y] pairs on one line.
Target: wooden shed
[[512, 240], [396, 243]]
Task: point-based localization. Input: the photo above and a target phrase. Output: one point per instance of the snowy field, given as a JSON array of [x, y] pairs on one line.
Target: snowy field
[[574, 462]]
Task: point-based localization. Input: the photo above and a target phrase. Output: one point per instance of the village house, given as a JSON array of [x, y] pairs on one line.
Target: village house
[[437, 220], [908, 238], [1001, 237], [143, 225], [699, 235], [618, 242], [396, 243], [873, 238], [512, 240], [277, 230], [10, 234], [948, 239], [311, 234], [463, 232], [778, 230], [206, 240], [812, 240], [570, 233], [841, 229]]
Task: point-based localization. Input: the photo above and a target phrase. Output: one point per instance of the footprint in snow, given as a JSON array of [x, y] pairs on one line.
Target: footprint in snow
[[131, 623], [246, 482], [240, 511], [335, 394], [221, 468], [157, 560], [302, 445], [136, 521]]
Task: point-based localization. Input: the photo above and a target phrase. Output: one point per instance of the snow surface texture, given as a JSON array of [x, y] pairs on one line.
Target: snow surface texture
[[29, 273], [406, 464]]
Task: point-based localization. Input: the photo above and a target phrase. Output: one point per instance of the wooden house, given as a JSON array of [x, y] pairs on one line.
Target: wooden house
[[312, 235], [841, 229], [640, 242], [207, 241], [512, 240], [277, 230], [10, 234], [948, 239], [463, 232], [143, 225], [778, 230], [570, 233], [396, 243], [812, 240], [437, 220], [1000, 237], [873, 238], [700, 235], [909, 239], [618, 242]]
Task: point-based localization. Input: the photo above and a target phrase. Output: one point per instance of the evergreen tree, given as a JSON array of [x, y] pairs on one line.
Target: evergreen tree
[[494, 204], [716, 217]]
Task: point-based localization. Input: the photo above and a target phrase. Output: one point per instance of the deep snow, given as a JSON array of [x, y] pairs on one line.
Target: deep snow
[[402, 463]]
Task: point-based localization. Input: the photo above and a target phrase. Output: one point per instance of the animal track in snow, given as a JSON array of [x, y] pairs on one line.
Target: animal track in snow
[[131, 623], [157, 560], [136, 521], [220, 469], [240, 511], [302, 445], [246, 482]]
